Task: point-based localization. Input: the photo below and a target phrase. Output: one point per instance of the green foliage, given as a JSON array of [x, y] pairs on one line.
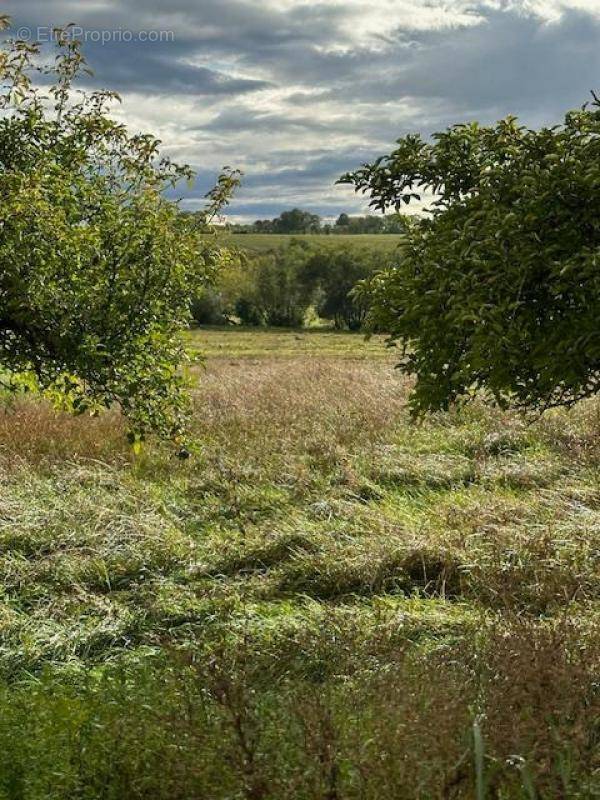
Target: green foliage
[[277, 280], [207, 308], [96, 267], [274, 294], [391, 223], [297, 221], [294, 221], [248, 312], [499, 289], [331, 275], [278, 293]]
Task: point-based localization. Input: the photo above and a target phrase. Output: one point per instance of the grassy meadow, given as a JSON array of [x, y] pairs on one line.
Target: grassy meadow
[[265, 242], [325, 602]]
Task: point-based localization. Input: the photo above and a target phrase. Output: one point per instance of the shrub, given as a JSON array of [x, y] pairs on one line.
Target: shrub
[[207, 308]]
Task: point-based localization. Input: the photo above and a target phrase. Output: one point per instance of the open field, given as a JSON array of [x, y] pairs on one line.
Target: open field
[[264, 242], [238, 342], [325, 602]]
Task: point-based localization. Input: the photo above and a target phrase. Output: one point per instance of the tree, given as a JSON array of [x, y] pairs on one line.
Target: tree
[[294, 221], [330, 276], [276, 295], [263, 226], [297, 221], [207, 308], [392, 223], [96, 267], [500, 288], [216, 304], [395, 223]]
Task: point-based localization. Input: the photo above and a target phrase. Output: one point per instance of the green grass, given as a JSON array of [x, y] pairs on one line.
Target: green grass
[[265, 242], [318, 604], [237, 342]]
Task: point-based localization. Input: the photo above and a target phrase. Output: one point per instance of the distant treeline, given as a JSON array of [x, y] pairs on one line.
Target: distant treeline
[[293, 285], [298, 221]]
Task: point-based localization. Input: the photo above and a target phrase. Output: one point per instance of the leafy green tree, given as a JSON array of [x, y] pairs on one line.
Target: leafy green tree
[[499, 289], [96, 267], [297, 221], [395, 223], [217, 303], [264, 226], [274, 293], [279, 295], [207, 308], [248, 312], [330, 276], [288, 222], [390, 223]]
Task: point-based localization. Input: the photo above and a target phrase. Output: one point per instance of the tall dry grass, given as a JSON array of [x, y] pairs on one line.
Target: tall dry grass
[[32, 432], [291, 403]]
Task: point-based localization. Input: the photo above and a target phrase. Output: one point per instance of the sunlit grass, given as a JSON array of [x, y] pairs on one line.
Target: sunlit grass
[[265, 242], [413, 575], [237, 342]]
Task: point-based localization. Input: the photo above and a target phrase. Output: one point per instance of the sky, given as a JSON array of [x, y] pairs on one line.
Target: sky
[[294, 92]]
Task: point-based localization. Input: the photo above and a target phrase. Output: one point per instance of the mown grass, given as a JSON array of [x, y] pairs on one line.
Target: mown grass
[[265, 242], [235, 342], [322, 603]]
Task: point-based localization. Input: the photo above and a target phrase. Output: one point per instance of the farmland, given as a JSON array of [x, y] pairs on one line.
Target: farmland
[[266, 242], [326, 597]]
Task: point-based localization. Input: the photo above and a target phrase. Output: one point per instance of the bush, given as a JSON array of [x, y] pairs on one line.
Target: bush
[[248, 312], [207, 309], [275, 294]]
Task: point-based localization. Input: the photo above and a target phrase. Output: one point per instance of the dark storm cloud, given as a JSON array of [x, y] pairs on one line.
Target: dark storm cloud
[[297, 93], [161, 68]]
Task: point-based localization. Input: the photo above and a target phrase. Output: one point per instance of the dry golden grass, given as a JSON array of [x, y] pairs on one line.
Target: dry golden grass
[[288, 405], [31, 431]]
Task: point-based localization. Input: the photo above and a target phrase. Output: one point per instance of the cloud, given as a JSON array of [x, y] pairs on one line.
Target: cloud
[[297, 91]]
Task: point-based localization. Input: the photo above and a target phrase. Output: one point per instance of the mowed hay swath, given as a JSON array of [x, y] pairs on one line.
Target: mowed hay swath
[[319, 603]]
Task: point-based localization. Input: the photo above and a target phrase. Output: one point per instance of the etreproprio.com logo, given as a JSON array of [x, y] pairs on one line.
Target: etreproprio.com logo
[[47, 33]]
